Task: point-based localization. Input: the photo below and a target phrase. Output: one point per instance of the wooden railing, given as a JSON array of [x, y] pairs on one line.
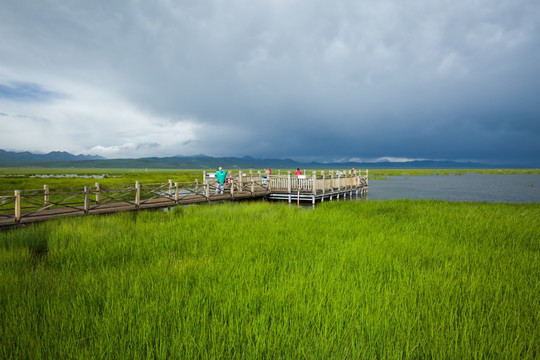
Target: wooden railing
[[20, 204], [315, 183]]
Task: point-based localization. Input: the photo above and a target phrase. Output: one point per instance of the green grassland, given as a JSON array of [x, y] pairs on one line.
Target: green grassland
[[348, 280], [418, 172], [21, 179]]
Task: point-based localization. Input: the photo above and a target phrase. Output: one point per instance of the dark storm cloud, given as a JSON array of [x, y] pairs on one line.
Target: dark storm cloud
[[304, 79]]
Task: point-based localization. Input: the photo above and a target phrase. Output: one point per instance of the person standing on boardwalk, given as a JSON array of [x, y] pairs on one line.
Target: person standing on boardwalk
[[220, 177], [298, 173]]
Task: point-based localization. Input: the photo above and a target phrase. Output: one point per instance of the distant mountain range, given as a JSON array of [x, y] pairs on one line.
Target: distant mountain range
[[62, 159], [10, 156]]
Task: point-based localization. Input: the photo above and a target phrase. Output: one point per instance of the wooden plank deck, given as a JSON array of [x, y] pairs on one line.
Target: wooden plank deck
[[156, 203]]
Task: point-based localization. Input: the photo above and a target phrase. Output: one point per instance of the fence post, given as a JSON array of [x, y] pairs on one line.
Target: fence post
[[366, 180], [176, 192], [289, 182], [170, 188], [86, 200], [98, 195], [46, 198], [17, 206], [137, 194]]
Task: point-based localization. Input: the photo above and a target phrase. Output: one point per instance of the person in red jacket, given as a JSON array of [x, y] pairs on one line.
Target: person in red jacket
[[297, 172]]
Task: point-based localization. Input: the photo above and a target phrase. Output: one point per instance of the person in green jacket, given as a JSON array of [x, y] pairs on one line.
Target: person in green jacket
[[220, 176]]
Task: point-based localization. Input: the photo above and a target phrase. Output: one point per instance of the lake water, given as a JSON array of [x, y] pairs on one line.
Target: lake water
[[468, 187]]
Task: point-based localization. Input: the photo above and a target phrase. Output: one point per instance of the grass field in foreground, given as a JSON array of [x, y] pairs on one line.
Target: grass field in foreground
[[349, 280]]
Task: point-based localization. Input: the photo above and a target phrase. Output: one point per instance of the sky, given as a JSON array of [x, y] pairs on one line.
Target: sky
[[307, 80]]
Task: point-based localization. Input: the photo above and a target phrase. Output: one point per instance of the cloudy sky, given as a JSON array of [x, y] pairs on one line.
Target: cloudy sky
[[308, 80]]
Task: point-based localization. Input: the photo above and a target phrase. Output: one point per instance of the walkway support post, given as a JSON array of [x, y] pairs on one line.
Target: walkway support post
[[366, 178], [289, 181], [137, 194], [86, 200], [324, 184], [17, 206], [46, 198], [98, 195]]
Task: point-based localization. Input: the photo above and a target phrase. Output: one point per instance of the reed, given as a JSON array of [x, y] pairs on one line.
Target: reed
[[392, 279]]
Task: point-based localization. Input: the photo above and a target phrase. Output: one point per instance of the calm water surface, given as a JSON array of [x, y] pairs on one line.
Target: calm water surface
[[468, 187]]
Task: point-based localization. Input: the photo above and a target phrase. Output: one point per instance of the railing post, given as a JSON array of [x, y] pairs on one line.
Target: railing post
[[259, 177], [269, 181], [196, 187], [289, 181], [252, 187], [232, 187], [170, 188], [46, 199], [314, 183], [98, 195], [176, 192], [207, 190], [324, 184], [366, 180], [137, 194], [86, 200], [17, 206], [251, 175], [204, 177], [240, 182]]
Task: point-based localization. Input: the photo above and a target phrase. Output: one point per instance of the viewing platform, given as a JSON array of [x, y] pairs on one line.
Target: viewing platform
[[27, 206], [317, 186]]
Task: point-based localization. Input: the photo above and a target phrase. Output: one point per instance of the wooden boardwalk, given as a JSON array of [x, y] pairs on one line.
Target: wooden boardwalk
[[27, 206]]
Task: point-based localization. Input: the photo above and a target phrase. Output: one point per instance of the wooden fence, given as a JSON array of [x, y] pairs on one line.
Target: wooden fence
[[37, 204]]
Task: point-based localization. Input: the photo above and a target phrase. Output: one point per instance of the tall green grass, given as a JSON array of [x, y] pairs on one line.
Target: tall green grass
[[394, 279]]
